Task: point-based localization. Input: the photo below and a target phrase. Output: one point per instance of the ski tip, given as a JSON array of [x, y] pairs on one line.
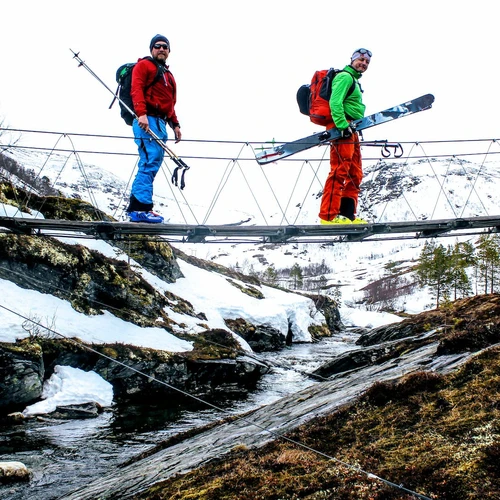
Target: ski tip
[[429, 98], [267, 156], [423, 102]]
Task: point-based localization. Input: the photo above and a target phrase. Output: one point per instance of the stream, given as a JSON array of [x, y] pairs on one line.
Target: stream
[[64, 455]]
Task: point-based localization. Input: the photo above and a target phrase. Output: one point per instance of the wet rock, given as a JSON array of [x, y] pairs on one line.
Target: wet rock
[[144, 373], [353, 360], [21, 373], [229, 376], [396, 331], [330, 311], [260, 338], [155, 256], [85, 410], [13, 471], [196, 376], [15, 417]]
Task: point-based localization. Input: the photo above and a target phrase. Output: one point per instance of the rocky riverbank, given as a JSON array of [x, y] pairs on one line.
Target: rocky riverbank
[[443, 358]]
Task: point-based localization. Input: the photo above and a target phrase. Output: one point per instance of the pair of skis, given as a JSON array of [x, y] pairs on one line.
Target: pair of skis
[[290, 148]]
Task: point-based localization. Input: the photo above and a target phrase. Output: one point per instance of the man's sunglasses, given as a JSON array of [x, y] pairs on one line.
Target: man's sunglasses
[[364, 51], [159, 46]]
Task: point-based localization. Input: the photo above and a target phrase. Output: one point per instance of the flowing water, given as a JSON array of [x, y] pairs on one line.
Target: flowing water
[[66, 455]]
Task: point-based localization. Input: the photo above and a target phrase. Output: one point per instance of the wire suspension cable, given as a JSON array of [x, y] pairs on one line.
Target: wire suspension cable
[[214, 141], [87, 180], [222, 183], [475, 180], [283, 212], [252, 193], [289, 159], [291, 195], [315, 177]]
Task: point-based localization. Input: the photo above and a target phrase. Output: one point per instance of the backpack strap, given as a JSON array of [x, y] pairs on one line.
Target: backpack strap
[[350, 91], [352, 87], [159, 73]]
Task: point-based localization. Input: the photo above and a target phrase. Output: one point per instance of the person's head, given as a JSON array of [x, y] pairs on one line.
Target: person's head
[[360, 59], [159, 48]]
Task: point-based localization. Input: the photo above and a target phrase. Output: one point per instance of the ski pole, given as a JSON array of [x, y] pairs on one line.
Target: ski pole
[[178, 161]]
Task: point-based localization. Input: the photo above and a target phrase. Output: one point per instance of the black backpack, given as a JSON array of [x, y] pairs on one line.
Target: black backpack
[[124, 80]]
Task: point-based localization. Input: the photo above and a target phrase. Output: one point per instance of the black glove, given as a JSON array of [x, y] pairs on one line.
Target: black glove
[[347, 132]]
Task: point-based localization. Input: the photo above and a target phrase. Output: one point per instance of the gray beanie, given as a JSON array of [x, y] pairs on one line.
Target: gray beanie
[[361, 53], [158, 38]]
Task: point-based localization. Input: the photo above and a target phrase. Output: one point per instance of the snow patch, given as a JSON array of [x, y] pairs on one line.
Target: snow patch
[[71, 386]]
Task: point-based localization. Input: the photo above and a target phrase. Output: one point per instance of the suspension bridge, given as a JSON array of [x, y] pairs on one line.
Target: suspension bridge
[[188, 227]]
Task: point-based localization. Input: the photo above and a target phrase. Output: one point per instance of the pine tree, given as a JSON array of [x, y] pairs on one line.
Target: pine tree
[[462, 257], [296, 276], [434, 270], [271, 275], [488, 261]]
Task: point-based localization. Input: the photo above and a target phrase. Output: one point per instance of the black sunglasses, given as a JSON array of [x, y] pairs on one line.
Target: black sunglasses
[[159, 46], [364, 51]]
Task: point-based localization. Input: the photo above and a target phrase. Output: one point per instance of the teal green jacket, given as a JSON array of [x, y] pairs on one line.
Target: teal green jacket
[[343, 108]]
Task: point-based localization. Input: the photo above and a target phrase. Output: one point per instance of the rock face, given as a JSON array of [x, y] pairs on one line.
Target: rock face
[[138, 373], [468, 325], [330, 310], [260, 337], [385, 333], [21, 374], [89, 280], [200, 377]]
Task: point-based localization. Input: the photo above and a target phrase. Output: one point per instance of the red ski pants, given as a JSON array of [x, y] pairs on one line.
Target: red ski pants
[[344, 178]]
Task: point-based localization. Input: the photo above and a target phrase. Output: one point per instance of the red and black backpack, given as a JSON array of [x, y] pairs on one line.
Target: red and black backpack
[[314, 99]]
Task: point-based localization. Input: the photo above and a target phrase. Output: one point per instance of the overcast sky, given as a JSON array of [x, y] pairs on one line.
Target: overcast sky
[[238, 64]]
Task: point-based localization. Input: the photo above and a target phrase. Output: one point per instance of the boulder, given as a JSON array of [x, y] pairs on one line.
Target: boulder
[[356, 359], [260, 338], [84, 410], [385, 333], [330, 310], [13, 471]]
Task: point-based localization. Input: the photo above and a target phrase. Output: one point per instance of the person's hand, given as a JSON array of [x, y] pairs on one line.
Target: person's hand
[[178, 134], [143, 122], [347, 132]]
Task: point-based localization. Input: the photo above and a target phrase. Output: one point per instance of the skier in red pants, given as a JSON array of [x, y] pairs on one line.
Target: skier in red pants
[[340, 194]]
